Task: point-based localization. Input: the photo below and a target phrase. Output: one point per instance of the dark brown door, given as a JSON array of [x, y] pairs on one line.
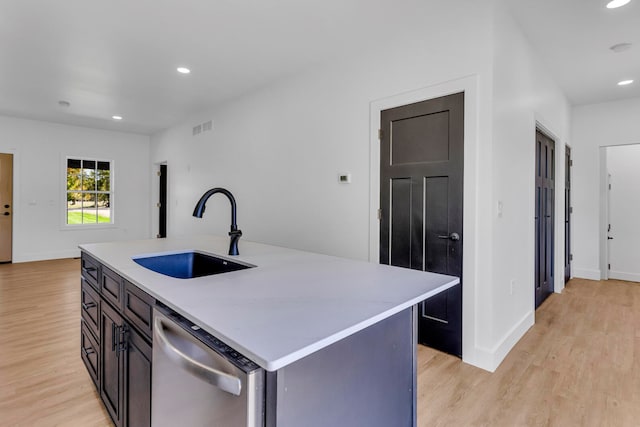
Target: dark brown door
[[544, 215], [567, 215], [421, 185]]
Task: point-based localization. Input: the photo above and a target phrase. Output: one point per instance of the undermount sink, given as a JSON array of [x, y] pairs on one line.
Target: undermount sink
[[189, 264]]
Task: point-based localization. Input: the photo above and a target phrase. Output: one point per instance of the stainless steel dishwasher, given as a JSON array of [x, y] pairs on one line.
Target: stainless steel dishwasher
[[197, 380]]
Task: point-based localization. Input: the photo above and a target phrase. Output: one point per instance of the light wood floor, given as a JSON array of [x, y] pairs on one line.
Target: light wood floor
[[43, 381], [578, 366]]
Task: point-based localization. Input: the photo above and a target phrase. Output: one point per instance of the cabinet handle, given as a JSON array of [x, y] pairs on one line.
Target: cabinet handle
[[209, 374], [123, 338], [88, 351], [113, 337], [88, 305]]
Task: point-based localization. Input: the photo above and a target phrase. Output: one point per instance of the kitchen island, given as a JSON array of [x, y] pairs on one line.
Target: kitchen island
[[335, 337]]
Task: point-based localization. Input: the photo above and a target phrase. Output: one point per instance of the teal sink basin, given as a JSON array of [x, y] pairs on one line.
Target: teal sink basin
[[187, 265]]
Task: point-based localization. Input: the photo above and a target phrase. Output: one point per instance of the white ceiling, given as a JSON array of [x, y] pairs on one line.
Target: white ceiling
[[119, 57], [573, 37]]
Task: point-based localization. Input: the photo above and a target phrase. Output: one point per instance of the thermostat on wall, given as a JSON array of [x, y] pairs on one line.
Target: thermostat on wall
[[344, 178]]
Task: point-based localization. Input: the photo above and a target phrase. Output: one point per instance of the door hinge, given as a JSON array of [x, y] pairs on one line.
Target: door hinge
[[570, 162], [158, 205], [570, 257], [159, 173], [609, 186], [609, 266], [571, 209], [379, 214], [380, 134]]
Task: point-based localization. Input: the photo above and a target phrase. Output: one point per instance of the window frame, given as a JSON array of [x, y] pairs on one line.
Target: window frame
[[96, 192]]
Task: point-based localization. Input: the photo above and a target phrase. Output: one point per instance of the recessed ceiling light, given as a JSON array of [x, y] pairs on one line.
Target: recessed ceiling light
[[116, 117], [64, 104], [620, 47], [617, 3], [625, 82], [183, 70]]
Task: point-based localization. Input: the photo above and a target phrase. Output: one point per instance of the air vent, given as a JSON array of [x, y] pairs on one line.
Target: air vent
[[203, 127]]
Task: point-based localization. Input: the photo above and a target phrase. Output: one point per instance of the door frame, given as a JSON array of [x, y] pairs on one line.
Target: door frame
[[558, 220], [468, 85], [558, 187], [603, 214], [155, 195]]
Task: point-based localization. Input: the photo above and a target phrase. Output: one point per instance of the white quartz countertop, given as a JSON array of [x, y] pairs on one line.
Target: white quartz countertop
[[290, 305]]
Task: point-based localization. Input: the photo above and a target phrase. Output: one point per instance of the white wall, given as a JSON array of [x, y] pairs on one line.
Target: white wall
[[595, 126], [624, 204], [280, 149], [524, 96], [40, 151]]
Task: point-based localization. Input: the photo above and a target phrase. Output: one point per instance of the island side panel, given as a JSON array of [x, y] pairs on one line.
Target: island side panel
[[367, 379]]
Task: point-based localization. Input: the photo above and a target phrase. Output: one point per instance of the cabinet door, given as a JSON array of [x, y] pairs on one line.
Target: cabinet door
[[90, 270], [138, 308], [137, 380], [111, 286], [90, 303], [112, 369], [90, 353]]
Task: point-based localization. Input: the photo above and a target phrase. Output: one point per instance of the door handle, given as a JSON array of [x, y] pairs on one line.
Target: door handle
[[217, 378], [6, 214], [609, 238], [452, 236], [113, 337], [88, 305], [7, 206]]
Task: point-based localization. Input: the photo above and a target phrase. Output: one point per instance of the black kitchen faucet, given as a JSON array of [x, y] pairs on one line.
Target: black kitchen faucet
[[234, 234]]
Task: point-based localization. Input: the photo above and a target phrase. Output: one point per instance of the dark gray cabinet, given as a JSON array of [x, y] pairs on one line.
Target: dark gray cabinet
[[116, 341]]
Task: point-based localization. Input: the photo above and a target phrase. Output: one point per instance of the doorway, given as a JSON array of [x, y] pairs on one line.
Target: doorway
[[544, 217], [6, 207], [162, 201], [623, 201], [421, 196]]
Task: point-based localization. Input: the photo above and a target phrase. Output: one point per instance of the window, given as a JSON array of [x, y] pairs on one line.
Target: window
[[88, 192]]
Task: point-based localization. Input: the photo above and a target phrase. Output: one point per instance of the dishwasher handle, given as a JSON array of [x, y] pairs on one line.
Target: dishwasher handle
[[217, 378]]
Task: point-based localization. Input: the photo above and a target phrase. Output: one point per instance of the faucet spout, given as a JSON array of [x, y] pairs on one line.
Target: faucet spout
[[234, 234]]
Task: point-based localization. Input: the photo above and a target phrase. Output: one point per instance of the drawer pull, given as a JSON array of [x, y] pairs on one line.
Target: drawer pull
[[88, 351], [88, 305]]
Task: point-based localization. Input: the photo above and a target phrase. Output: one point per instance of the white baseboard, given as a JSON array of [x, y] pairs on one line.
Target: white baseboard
[[490, 359], [42, 256], [585, 273], [622, 275]]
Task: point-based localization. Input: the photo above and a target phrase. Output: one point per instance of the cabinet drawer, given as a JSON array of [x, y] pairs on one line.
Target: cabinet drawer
[[90, 270], [111, 286], [90, 301], [90, 352], [138, 308]]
